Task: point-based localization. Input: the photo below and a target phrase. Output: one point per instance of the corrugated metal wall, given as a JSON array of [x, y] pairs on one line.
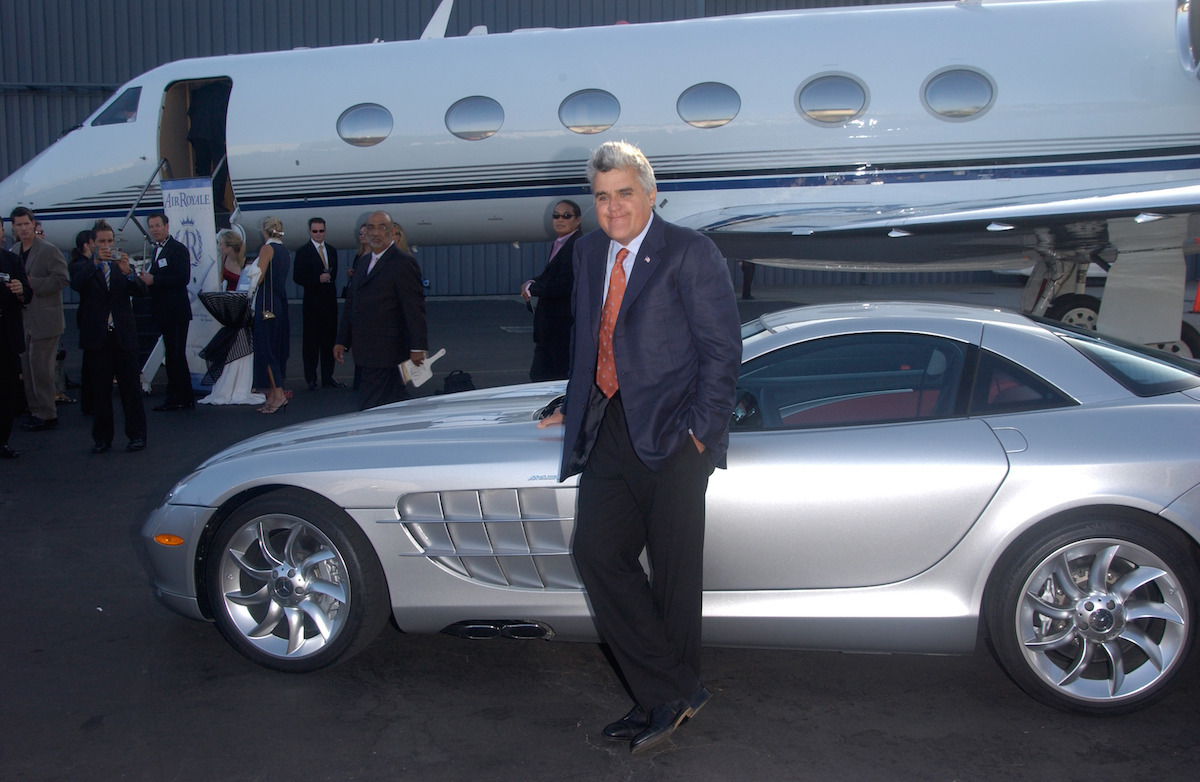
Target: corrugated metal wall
[[60, 59]]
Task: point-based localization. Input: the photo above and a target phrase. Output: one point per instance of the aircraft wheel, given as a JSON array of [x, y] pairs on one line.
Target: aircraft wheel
[[1188, 345], [1075, 309]]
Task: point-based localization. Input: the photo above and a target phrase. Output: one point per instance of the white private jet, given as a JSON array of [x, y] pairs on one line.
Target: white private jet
[[955, 135]]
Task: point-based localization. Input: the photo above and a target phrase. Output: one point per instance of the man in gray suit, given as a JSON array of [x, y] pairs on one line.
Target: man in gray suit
[[656, 350], [44, 324], [383, 319]]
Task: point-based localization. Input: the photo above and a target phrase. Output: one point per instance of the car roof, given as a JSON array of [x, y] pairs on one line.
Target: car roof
[[887, 311]]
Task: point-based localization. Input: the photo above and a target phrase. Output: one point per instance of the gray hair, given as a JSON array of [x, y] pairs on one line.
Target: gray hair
[[621, 154]]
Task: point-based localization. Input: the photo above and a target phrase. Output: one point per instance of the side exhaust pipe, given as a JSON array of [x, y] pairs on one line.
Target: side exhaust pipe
[[487, 629]]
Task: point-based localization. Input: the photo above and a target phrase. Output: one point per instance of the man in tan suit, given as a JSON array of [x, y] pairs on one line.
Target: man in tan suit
[[44, 324]]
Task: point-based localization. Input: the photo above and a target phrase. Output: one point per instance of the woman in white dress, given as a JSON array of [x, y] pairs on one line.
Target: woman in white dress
[[235, 378]]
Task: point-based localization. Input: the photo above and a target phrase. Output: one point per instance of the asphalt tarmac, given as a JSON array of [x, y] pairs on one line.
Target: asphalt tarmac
[[102, 682]]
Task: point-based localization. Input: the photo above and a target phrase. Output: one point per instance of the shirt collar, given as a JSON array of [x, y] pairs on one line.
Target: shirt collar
[[634, 245]]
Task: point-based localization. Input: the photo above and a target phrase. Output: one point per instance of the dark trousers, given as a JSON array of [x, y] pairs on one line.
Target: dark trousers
[[10, 371], [651, 626], [381, 386], [179, 377], [107, 363], [320, 329], [550, 361], [748, 269], [86, 403]]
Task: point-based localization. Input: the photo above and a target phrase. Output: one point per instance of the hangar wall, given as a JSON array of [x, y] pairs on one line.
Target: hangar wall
[[60, 59]]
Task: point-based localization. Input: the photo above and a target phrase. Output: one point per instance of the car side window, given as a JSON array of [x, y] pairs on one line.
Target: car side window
[[850, 380], [1004, 387]]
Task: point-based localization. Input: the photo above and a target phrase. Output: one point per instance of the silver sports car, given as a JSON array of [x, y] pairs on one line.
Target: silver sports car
[[901, 476]]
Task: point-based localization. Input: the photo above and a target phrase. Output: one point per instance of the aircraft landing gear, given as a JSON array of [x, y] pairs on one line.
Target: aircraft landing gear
[[1076, 309]]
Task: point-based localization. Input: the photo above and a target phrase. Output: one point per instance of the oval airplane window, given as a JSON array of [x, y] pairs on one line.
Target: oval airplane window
[[474, 118], [708, 105], [831, 99], [365, 125], [589, 111], [958, 94], [123, 109]]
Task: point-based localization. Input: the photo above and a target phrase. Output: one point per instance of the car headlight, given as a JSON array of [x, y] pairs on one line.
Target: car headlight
[[178, 487]]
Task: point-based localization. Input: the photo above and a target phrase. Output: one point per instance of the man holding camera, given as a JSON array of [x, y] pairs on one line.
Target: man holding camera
[[108, 338]]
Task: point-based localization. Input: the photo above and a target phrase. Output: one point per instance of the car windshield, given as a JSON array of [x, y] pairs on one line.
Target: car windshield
[[750, 328], [1143, 370]]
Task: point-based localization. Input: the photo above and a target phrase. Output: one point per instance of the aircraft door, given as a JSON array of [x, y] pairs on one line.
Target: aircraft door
[[192, 137]]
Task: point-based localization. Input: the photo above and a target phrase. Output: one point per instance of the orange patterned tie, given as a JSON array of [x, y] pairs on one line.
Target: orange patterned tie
[[606, 365]]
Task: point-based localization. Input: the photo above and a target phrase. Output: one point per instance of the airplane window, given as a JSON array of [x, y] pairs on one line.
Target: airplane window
[[589, 111], [123, 109], [958, 94], [832, 99], [474, 118], [364, 125], [708, 105]]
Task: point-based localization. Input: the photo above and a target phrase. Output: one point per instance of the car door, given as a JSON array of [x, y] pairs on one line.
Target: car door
[[851, 463]]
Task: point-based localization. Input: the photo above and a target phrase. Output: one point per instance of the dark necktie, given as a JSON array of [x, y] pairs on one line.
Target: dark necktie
[[606, 365], [107, 266]]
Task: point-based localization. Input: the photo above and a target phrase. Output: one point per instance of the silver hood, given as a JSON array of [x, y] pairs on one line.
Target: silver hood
[[367, 457]]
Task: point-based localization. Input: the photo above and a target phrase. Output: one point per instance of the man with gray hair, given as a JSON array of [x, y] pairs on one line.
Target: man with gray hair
[[656, 352], [383, 319]]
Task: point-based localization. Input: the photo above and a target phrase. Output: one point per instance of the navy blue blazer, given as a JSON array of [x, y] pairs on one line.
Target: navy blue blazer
[[677, 345]]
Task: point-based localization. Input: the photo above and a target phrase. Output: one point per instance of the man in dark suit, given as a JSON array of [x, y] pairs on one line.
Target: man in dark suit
[[383, 319], [552, 318], [167, 280], [315, 270], [15, 293], [109, 340], [656, 352]]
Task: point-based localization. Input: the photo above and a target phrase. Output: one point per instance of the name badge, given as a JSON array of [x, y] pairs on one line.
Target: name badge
[[162, 262]]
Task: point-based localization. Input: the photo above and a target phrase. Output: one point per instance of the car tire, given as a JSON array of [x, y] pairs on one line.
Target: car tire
[[1075, 309], [293, 582], [1094, 615]]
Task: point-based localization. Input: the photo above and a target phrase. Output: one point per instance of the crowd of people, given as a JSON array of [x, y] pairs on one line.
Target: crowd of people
[[382, 322], [640, 316]]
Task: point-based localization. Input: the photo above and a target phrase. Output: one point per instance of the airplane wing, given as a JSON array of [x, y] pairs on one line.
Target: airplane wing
[[963, 236]]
